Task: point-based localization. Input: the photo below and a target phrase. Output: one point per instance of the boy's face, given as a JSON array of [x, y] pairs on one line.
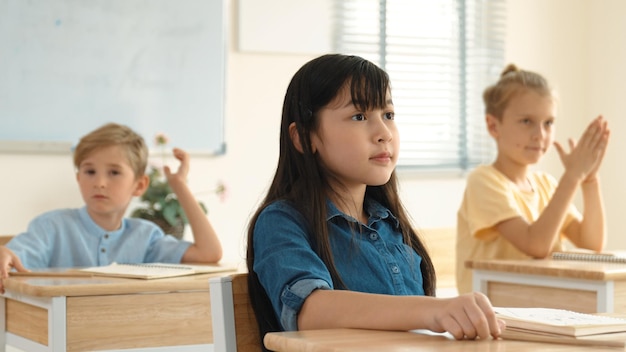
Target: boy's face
[[526, 129], [107, 183]]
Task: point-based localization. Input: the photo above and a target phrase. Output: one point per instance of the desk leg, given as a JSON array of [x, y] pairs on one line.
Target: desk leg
[[606, 297], [479, 282], [57, 333], [223, 314]]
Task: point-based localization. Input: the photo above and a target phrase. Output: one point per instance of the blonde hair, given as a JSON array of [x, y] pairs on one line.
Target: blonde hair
[[513, 81], [112, 134]]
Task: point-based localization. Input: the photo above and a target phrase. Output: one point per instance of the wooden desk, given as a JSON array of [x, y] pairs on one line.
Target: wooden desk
[[97, 313], [587, 287], [352, 340]]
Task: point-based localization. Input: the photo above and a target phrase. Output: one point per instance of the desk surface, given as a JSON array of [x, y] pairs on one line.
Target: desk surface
[[348, 340], [574, 269], [51, 286]]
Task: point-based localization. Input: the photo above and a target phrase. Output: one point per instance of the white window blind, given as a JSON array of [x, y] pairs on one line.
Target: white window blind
[[440, 56]]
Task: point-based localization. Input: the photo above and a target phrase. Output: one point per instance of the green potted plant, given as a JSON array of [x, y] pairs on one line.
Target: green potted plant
[[160, 203], [162, 206]]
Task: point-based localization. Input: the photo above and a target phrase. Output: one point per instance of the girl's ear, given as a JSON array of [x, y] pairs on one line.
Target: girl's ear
[[295, 137], [493, 125], [142, 185]]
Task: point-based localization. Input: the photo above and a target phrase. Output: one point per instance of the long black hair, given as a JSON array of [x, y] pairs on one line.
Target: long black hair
[[301, 179]]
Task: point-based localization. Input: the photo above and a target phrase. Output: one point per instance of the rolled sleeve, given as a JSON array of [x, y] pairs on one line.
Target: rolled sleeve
[[286, 265], [293, 298]]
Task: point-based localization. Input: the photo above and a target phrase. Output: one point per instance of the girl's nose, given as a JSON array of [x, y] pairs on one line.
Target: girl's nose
[[539, 132], [383, 133]]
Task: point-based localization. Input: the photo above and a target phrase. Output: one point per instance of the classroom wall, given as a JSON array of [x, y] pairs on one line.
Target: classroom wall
[[578, 45]]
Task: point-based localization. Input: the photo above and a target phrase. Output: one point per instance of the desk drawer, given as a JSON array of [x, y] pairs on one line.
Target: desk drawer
[[138, 320]]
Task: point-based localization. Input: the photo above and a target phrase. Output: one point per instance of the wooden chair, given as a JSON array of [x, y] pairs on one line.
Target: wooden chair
[[441, 245], [235, 327]]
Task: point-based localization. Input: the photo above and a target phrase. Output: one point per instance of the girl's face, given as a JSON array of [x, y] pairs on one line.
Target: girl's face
[[107, 183], [357, 147], [526, 129]]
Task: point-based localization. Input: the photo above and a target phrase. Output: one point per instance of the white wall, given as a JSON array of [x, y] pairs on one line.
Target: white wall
[[578, 45]]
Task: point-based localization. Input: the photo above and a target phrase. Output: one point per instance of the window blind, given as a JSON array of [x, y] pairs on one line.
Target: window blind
[[440, 56]]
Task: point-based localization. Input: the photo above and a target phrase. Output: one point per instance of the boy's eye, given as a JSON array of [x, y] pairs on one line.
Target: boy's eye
[[89, 171], [526, 121], [390, 115], [549, 122], [358, 117], [115, 172]]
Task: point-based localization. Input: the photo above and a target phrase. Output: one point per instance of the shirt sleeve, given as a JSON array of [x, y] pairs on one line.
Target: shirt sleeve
[[165, 248], [33, 247], [287, 267], [489, 201]]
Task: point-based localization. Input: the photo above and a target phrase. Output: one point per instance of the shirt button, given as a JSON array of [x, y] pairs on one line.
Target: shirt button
[[395, 269], [103, 250], [106, 236], [373, 236]]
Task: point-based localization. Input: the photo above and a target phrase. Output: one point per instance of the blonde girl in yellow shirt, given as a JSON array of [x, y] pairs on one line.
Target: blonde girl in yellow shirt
[[512, 212]]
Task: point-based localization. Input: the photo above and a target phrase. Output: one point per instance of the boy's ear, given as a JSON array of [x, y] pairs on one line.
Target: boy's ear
[[295, 137], [493, 125], [142, 185]]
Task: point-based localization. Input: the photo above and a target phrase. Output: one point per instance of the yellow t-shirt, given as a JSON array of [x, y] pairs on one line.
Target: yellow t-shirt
[[490, 198]]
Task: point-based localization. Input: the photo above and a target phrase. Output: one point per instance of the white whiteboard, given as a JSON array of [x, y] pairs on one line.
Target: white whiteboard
[[69, 66]]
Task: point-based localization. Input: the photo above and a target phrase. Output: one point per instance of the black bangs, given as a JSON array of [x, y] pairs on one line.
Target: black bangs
[[369, 86]]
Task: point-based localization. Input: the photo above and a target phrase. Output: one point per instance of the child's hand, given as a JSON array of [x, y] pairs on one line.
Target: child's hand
[[180, 177], [468, 316], [586, 156], [8, 260]]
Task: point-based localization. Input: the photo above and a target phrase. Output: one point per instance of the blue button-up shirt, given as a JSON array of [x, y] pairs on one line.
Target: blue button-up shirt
[[369, 258], [70, 238]]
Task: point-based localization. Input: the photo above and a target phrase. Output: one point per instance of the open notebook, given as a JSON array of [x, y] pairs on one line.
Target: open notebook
[[155, 270], [562, 326]]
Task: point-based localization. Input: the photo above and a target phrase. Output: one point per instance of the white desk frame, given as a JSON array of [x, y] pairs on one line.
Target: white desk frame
[[57, 334], [223, 314], [56, 324], [604, 290]]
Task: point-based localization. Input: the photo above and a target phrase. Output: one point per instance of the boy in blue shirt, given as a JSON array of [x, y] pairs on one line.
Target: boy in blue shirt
[[111, 163]]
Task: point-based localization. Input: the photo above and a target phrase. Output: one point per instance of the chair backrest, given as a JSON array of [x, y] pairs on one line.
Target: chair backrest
[[235, 327], [4, 239], [441, 245]]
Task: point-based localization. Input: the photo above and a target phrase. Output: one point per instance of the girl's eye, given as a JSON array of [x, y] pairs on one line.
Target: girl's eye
[[390, 115], [358, 117]]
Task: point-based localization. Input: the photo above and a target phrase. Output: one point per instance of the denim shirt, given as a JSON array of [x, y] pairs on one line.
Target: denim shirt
[[372, 259]]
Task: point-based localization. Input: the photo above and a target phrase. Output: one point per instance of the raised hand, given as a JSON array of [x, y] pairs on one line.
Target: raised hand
[[180, 177], [585, 157]]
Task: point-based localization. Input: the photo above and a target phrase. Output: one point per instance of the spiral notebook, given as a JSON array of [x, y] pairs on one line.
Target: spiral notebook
[[155, 270], [607, 257]]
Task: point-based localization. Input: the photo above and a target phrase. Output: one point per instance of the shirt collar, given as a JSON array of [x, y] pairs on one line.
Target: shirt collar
[[94, 228], [375, 210]]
